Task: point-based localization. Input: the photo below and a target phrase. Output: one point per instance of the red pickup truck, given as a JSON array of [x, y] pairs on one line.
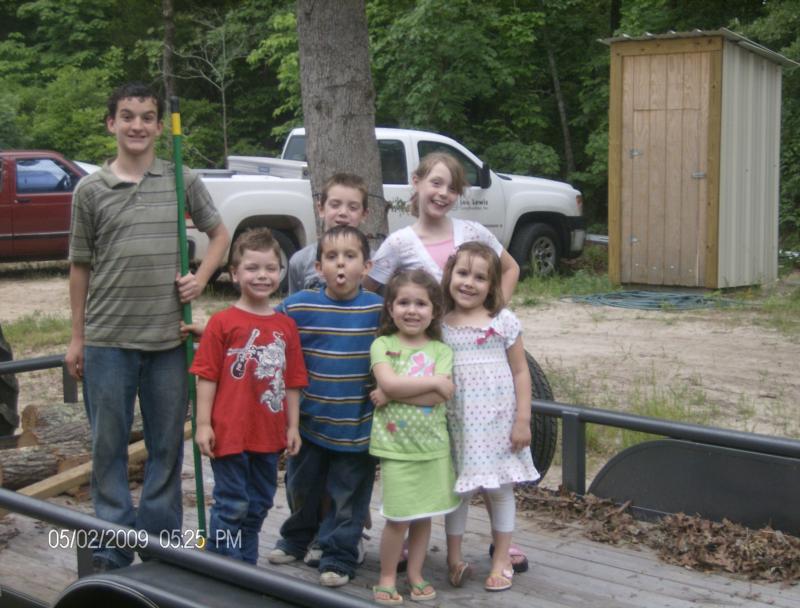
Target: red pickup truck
[[35, 198]]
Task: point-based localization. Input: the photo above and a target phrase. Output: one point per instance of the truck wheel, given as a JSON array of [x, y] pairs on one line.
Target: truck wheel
[[287, 251], [9, 391], [535, 248], [544, 429]]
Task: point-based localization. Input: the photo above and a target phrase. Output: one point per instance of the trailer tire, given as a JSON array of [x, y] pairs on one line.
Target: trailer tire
[[544, 429], [9, 392]]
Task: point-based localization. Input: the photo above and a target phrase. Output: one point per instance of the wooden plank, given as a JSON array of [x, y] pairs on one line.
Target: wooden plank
[[656, 166], [673, 173], [626, 178], [702, 168], [713, 155], [673, 189], [689, 195], [615, 148], [641, 196], [629, 48]]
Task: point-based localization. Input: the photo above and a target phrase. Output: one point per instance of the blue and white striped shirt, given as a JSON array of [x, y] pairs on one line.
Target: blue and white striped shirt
[[336, 335]]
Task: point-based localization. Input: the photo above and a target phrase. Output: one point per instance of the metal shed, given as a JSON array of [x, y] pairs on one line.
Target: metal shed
[[693, 159]]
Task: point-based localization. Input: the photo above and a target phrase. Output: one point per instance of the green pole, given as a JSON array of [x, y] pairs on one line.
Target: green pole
[[177, 155]]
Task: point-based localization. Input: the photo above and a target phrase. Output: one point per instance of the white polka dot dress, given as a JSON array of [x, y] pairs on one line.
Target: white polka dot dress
[[483, 409]]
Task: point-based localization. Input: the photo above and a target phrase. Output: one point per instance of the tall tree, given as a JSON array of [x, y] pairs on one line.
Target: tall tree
[[168, 53], [221, 41], [339, 99]]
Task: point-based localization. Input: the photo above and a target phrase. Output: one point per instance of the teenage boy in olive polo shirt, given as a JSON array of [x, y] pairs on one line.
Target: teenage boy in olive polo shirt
[[125, 295]]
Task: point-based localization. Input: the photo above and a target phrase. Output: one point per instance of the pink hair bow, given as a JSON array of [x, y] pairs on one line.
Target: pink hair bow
[[486, 335]]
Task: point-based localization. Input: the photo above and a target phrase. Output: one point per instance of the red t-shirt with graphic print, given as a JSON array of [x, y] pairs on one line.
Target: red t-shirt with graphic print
[[253, 359]]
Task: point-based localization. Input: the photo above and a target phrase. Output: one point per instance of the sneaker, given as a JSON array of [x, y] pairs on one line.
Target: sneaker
[[333, 578], [279, 556], [313, 555], [362, 552]]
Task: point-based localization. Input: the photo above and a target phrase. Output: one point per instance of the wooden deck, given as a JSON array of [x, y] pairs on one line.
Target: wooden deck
[[567, 570]]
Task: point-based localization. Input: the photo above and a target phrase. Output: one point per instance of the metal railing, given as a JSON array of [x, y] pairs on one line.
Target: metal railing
[[69, 384], [573, 436], [295, 591]]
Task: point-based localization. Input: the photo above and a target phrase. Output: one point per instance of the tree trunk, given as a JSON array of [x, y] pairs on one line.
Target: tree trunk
[[167, 55], [339, 100], [562, 109]]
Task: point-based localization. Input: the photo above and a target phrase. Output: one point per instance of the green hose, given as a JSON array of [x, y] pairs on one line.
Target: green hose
[[177, 155]]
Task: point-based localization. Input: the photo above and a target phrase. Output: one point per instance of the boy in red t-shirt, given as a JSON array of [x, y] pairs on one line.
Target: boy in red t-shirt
[[250, 371]]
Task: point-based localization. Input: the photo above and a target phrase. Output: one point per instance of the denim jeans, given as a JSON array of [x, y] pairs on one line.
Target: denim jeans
[[244, 487], [347, 477], [112, 379]]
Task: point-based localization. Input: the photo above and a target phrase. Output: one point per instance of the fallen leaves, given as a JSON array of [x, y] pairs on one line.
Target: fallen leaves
[[687, 541]]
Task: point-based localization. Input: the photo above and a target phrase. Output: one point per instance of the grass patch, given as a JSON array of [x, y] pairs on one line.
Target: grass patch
[[536, 290], [38, 334], [583, 275], [678, 400]]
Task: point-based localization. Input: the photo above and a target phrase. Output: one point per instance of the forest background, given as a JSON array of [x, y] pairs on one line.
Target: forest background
[[524, 84]]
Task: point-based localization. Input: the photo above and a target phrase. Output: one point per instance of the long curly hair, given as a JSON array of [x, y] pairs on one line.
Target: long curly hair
[[494, 301]]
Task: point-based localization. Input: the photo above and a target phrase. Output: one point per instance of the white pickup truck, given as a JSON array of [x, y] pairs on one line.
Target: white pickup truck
[[539, 221]]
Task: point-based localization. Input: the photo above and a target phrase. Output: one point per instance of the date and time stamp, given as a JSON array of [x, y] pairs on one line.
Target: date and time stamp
[[135, 540]]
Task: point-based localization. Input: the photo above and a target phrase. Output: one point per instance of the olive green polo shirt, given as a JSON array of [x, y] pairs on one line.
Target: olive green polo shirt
[[128, 233]]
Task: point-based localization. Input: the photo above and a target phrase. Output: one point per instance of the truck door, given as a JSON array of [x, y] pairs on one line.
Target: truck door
[[485, 206], [41, 208], [6, 202], [396, 187]]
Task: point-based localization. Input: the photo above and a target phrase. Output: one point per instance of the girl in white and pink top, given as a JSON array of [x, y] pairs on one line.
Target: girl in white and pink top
[[438, 182]]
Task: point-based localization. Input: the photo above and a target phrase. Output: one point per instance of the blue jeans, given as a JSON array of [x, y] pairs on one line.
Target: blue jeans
[[347, 477], [244, 487], [112, 379]]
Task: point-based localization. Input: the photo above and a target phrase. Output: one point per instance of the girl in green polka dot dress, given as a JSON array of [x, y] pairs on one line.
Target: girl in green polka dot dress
[[412, 370]]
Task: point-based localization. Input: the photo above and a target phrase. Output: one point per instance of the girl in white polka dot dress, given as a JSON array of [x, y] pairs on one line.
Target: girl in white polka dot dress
[[412, 370], [490, 413]]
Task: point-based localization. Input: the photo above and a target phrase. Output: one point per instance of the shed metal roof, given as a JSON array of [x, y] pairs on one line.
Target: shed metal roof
[[724, 32]]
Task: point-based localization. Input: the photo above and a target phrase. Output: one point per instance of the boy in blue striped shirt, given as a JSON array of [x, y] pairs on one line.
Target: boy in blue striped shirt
[[337, 324]]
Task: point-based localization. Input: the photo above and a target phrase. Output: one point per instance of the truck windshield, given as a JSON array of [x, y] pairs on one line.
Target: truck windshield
[[295, 148]]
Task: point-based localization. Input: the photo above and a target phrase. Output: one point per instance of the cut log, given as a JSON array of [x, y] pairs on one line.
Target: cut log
[[63, 422], [27, 465], [77, 476]]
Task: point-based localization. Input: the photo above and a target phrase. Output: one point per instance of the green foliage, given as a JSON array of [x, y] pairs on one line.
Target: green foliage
[[70, 115], [478, 71], [279, 50]]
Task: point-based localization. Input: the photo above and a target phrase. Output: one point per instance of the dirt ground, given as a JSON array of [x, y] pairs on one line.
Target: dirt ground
[[748, 373]]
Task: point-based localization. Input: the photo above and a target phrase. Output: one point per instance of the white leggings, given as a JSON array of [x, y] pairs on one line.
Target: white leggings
[[503, 511]]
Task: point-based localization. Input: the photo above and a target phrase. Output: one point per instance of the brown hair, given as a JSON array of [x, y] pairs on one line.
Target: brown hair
[[426, 165], [427, 282], [137, 90], [254, 239], [336, 232], [494, 299], [348, 180]]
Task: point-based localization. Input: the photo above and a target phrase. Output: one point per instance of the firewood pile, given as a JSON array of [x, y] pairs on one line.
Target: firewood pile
[[54, 438]]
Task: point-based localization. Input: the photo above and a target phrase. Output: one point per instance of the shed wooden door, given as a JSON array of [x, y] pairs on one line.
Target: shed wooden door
[[664, 182]]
